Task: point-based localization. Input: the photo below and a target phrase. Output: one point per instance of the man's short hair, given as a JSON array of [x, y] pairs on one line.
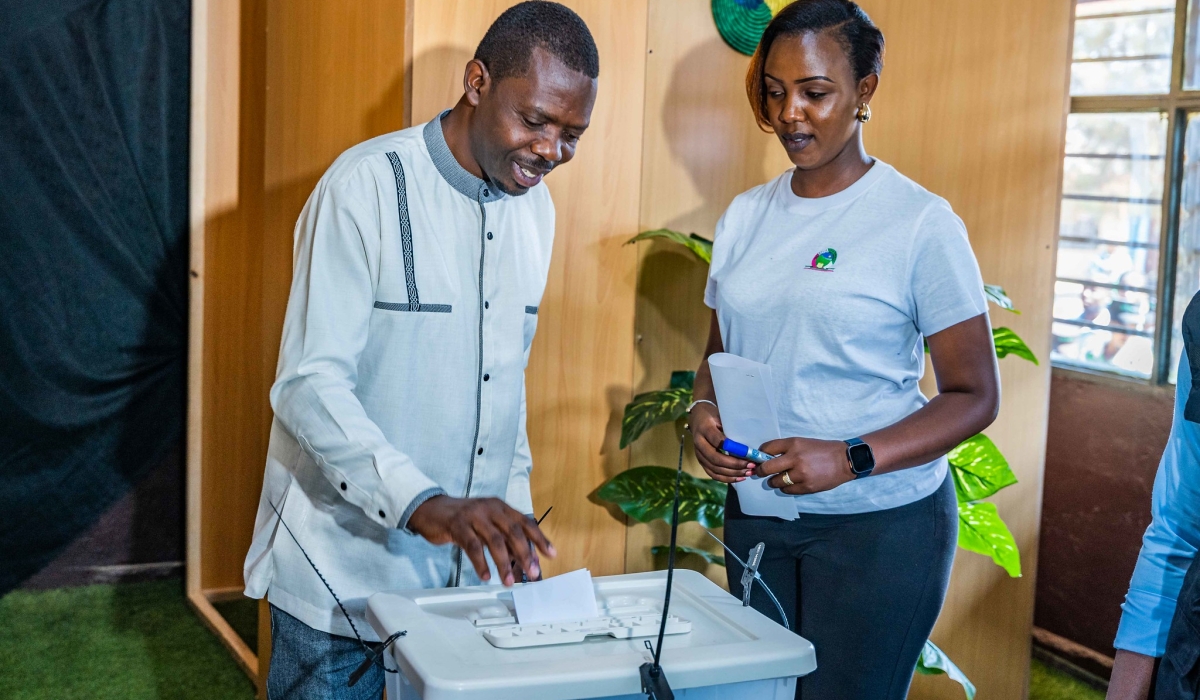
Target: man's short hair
[[510, 41]]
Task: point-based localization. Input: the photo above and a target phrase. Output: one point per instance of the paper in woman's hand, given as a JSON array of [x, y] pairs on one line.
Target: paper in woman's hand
[[746, 401]]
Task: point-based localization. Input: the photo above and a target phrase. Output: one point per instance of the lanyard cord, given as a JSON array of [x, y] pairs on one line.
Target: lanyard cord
[[373, 653], [662, 627], [654, 681]]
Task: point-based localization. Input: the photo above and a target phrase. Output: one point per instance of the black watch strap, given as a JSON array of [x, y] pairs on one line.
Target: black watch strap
[[860, 456]]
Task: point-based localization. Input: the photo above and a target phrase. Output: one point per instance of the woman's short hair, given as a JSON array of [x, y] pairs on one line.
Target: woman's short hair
[[857, 34]]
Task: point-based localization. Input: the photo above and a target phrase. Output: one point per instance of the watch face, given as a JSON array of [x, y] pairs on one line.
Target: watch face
[[861, 458]]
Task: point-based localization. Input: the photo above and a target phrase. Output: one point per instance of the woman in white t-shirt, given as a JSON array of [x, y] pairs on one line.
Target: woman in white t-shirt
[[833, 274]]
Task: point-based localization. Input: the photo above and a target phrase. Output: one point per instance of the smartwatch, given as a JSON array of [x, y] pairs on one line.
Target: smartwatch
[[862, 459]]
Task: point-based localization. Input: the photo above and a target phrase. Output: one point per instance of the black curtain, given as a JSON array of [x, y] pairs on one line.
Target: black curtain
[[93, 261]]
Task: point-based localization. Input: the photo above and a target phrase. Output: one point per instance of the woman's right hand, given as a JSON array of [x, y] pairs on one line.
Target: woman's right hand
[[707, 437]]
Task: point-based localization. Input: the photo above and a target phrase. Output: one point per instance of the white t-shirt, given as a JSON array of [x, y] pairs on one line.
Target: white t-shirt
[[835, 294]]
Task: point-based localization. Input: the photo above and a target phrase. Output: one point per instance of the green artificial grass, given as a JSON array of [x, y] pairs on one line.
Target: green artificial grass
[[1046, 683], [126, 642], [242, 616], [140, 641]]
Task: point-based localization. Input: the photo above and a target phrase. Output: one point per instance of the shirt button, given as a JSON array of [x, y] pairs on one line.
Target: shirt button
[[487, 377], [487, 305], [479, 451], [381, 514], [343, 486], [489, 235], [486, 193]]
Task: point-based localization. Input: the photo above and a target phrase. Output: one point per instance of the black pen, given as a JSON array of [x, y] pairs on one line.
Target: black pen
[[524, 578]]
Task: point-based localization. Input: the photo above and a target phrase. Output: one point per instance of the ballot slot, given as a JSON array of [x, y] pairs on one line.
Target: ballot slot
[[616, 616], [463, 616], [576, 632]]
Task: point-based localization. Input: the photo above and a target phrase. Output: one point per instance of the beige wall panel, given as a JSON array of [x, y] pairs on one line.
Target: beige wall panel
[[280, 89], [701, 149], [579, 373], [335, 78], [314, 77], [972, 106], [223, 403]]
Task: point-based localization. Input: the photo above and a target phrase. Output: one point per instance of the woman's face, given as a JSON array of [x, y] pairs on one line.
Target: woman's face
[[812, 98]]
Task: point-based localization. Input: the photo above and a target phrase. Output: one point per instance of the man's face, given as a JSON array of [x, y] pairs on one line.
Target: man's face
[[525, 125]]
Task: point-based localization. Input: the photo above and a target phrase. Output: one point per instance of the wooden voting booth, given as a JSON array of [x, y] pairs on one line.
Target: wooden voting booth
[[972, 105]]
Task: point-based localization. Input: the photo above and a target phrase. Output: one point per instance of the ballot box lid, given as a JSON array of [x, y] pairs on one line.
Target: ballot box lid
[[445, 656]]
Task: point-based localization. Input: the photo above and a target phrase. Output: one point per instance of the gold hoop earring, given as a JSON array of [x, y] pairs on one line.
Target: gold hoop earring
[[864, 113]]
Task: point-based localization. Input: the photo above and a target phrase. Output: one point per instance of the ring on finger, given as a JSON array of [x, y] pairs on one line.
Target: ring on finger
[[787, 480]]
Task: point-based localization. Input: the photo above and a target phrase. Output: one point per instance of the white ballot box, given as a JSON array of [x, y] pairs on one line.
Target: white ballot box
[[453, 649]]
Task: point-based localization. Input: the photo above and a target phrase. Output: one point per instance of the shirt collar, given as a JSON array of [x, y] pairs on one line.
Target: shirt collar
[[455, 174]]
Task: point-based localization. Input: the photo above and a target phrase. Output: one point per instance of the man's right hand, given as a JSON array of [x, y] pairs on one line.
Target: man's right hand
[[707, 437], [475, 523]]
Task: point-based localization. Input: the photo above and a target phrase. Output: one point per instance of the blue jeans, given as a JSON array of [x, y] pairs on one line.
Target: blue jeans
[[308, 664]]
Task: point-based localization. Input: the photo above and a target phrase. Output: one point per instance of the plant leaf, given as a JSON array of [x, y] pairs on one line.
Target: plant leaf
[[652, 408], [683, 379], [701, 247], [1009, 343], [996, 294], [979, 469], [704, 244], [981, 530], [646, 493], [933, 661], [681, 549]]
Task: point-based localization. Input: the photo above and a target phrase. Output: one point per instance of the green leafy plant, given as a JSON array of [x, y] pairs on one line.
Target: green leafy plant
[[934, 662], [699, 245], [647, 493], [977, 466], [654, 407]]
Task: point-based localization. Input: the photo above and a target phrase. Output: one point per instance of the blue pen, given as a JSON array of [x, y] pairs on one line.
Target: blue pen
[[737, 449]]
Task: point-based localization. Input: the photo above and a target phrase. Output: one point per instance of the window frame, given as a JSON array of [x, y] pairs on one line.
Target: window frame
[[1176, 103]]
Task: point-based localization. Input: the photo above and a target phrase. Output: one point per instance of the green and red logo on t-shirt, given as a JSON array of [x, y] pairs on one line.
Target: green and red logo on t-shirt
[[823, 261]]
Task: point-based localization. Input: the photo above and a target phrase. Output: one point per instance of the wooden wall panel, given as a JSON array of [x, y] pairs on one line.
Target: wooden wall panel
[[579, 373], [701, 148], [226, 131], [280, 88], [335, 78], [226, 314], [973, 106]]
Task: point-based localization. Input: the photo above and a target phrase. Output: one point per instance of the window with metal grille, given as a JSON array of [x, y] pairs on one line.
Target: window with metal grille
[[1129, 232]]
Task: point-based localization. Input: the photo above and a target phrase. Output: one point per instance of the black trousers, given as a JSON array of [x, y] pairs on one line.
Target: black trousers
[[865, 589], [1179, 672]]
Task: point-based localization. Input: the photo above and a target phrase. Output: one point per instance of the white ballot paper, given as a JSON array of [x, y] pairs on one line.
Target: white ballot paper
[[747, 405], [561, 598]]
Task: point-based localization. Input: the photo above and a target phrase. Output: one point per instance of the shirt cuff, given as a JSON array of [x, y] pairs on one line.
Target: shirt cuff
[[1145, 621], [416, 503]]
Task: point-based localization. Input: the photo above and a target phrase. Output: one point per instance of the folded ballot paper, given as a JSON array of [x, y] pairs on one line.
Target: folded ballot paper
[[746, 398], [565, 597]]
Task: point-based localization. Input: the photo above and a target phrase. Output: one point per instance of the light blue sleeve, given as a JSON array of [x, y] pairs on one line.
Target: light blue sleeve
[[1170, 543], [944, 278]]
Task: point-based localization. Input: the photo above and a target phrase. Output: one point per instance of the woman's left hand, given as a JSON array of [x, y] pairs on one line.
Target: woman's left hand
[[812, 465]]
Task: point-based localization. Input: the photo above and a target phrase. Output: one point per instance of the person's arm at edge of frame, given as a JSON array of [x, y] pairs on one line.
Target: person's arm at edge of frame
[[1162, 562]]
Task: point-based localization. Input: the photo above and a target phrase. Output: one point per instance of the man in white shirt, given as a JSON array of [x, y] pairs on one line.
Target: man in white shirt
[[398, 456]]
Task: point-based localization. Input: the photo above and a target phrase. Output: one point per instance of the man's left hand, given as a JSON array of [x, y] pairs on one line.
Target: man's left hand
[[812, 465]]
